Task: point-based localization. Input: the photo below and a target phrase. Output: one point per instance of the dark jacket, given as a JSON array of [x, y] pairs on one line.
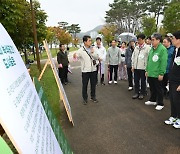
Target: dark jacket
[[174, 74], [128, 55], [62, 58], [170, 56]]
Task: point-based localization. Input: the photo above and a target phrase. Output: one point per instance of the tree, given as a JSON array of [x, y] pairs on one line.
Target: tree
[[108, 31], [15, 15], [63, 25], [16, 18], [172, 17], [149, 25], [74, 29], [125, 14], [157, 8], [62, 35], [41, 18], [51, 35]]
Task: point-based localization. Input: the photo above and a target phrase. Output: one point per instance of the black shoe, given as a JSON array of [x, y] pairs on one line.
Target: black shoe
[[102, 83], [135, 96], [85, 102], [94, 100], [141, 96]]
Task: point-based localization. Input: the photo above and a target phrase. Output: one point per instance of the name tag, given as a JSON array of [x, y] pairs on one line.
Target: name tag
[[155, 58], [177, 61], [141, 56]]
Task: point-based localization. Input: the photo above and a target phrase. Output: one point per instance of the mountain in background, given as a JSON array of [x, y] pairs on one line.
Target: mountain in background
[[93, 33]]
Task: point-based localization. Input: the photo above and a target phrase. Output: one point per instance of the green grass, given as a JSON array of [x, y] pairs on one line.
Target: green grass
[[53, 52], [50, 88], [73, 49]]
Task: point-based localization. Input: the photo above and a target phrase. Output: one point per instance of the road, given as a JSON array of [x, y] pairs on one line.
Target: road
[[117, 124]]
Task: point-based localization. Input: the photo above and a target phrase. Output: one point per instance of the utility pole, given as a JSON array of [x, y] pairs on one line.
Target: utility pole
[[35, 37]]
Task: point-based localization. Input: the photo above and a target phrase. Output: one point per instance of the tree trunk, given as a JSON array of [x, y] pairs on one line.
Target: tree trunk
[[25, 55], [34, 53], [157, 19]]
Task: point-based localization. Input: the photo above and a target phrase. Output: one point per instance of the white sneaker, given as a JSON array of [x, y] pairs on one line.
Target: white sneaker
[[110, 82], [150, 103], [170, 121], [115, 82], [177, 124], [130, 88], [159, 107]]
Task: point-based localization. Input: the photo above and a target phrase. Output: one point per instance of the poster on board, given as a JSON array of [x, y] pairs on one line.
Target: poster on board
[[21, 112]]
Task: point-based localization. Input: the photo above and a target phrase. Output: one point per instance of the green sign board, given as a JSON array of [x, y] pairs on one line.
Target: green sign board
[[4, 148], [52, 119]]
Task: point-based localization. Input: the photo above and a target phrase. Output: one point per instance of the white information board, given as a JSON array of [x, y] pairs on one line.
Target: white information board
[[21, 112]]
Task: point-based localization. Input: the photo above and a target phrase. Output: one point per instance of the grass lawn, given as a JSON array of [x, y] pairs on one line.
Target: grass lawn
[[50, 88], [53, 52]]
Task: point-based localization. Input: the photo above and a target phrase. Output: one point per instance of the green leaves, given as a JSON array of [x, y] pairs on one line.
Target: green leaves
[[15, 15], [149, 25], [172, 17], [127, 14]]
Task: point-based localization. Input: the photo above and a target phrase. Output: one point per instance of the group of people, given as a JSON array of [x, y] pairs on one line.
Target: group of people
[[150, 61]]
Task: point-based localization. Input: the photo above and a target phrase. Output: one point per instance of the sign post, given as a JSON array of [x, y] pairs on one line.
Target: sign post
[[59, 84]]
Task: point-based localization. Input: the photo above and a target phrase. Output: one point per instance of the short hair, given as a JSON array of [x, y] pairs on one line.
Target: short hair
[[86, 37], [98, 38], [141, 36], [61, 45], [168, 39], [148, 37], [157, 36], [113, 40], [124, 43], [176, 34]]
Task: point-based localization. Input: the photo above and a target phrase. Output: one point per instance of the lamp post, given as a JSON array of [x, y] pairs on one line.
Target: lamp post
[[35, 36]]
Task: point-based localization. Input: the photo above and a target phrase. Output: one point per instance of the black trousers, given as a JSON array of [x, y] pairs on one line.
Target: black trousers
[[101, 75], [139, 75], [97, 69], [102, 78], [130, 77], [174, 99], [165, 83], [85, 80], [113, 68], [156, 90], [63, 74]]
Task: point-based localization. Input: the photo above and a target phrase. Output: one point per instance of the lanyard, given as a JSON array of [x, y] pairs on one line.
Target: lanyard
[[175, 55]]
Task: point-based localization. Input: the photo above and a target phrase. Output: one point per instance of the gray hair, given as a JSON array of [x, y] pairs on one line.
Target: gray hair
[[157, 36]]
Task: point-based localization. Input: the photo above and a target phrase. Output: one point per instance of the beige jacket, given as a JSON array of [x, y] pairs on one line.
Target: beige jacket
[[140, 56], [86, 61]]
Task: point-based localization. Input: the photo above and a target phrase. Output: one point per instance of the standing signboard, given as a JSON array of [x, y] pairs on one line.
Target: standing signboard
[[58, 81], [21, 113]]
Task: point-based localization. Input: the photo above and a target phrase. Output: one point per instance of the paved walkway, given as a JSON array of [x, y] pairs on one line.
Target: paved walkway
[[117, 124]]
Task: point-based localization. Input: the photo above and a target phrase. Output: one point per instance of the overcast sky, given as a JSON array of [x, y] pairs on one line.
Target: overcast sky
[[87, 13]]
